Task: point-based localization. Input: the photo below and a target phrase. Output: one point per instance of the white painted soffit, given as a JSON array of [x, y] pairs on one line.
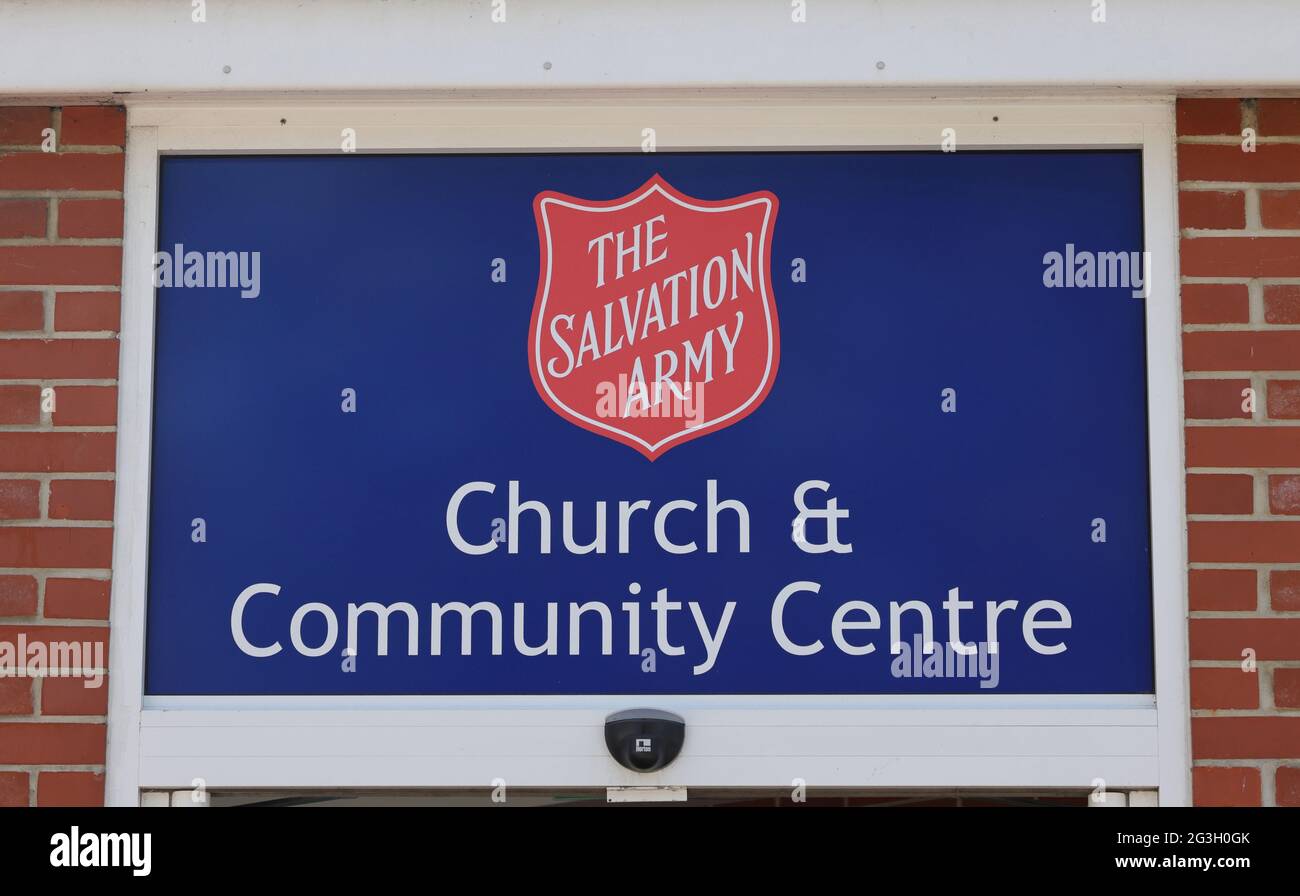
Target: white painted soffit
[[98, 47]]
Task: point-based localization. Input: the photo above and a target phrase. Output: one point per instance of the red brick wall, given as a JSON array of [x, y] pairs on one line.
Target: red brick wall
[[1240, 257], [60, 265]]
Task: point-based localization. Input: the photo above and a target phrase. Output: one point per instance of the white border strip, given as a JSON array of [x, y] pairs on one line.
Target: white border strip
[[134, 431]]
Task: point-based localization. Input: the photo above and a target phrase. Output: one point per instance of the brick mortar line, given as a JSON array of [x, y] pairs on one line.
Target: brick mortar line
[[1244, 713], [1235, 422], [1236, 186], [1251, 203], [1237, 281], [1255, 302], [1194, 233], [1270, 376], [60, 572], [72, 335], [1263, 567], [57, 622], [71, 193], [51, 475], [103, 149], [1243, 614], [1251, 327], [1280, 471], [1254, 517]]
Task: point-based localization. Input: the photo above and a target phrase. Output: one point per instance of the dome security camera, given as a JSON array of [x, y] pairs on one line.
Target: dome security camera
[[644, 740]]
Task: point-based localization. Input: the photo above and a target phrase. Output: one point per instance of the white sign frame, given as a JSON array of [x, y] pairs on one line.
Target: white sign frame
[[1007, 742]]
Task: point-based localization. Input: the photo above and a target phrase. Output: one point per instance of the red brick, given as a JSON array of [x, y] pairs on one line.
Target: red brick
[[60, 265], [1280, 209], [1225, 786], [1243, 542], [74, 548], [1282, 304], [87, 310], [85, 405], [22, 126], [1284, 399], [1287, 786], [52, 743], [20, 404], [81, 499], [71, 697], [1243, 446], [1269, 163], [1211, 210], [18, 596], [1284, 495], [1211, 589], [1215, 399], [1241, 256], [69, 789], [61, 171], [1220, 493], [14, 786], [20, 499], [1278, 117], [90, 218], [16, 696], [59, 359], [21, 218], [1216, 303], [1204, 117], [1242, 349], [1224, 638], [93, 126], [1286, 688], [1284, 589], [22, 311], [76, 598], [1250, 737], [1224, 689], [58, 452]]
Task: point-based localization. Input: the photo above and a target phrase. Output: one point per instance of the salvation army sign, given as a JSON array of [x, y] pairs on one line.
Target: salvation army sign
[[648, 303], [874, 451]]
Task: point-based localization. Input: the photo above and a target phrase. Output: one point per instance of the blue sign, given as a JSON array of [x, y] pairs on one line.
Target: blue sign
[[698, 423]]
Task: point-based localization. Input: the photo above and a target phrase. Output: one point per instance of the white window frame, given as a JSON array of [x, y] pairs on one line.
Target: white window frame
[[968, 741]]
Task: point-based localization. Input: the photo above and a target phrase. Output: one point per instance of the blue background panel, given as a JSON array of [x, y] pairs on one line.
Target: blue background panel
[[924, 272]]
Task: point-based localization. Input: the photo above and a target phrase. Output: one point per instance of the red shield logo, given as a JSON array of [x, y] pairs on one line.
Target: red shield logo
[[654, 322]]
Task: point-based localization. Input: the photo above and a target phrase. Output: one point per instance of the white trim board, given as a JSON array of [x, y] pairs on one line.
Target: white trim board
[[354, 742], [153, 46]]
